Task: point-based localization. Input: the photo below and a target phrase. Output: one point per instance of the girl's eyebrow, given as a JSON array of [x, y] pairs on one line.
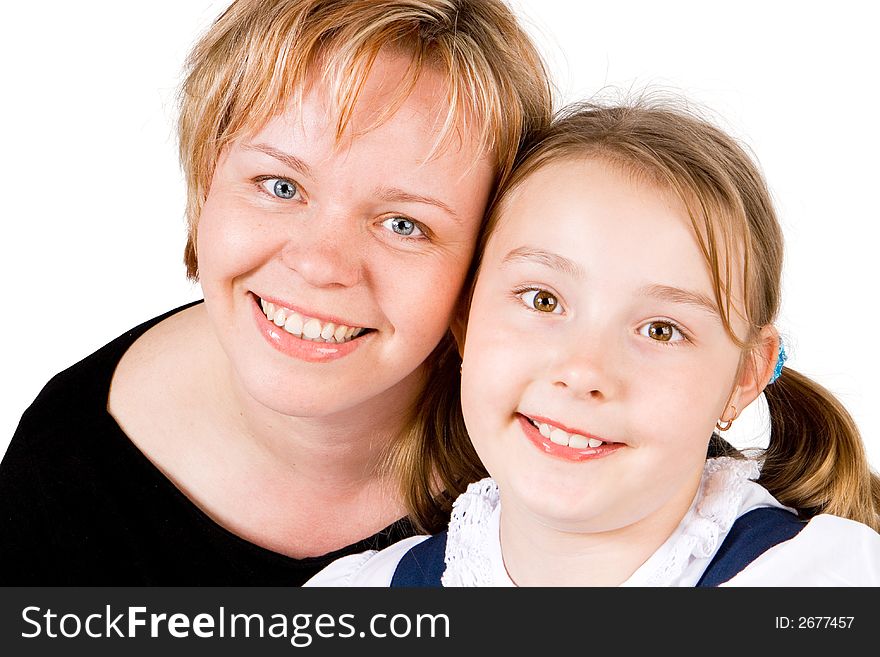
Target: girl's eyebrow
[[291, 161], [569, 267], [546, 258], [679, 295]]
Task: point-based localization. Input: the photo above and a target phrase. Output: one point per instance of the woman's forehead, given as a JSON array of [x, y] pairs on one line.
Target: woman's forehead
[[419, 113]]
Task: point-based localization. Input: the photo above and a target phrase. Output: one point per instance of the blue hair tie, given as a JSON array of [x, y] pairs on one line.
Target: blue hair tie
[[780, 362]]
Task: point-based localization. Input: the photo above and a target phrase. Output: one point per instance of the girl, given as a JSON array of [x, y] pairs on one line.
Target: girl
[[339, 155], [621, 320]]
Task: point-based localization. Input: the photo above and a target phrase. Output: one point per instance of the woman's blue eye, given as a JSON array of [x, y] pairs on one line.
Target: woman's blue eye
[[662, 331], [283, 189], [403, 227], [542, 301]]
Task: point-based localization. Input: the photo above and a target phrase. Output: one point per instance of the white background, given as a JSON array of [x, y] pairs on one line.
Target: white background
[[92, 196]]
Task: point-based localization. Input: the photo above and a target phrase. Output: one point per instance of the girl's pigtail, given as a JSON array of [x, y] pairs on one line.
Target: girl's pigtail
[[815, 461]]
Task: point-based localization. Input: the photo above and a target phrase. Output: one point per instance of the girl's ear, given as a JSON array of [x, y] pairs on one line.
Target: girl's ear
[[757, 368]]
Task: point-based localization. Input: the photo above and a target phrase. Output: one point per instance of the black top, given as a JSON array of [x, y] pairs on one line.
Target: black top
[[81, 505]]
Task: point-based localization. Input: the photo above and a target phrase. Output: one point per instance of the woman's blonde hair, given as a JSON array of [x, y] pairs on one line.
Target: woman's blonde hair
[[815, 461], [260, 55]]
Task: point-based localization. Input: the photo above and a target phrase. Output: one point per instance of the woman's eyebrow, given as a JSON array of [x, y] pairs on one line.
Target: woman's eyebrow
[[396, 195], [290, 160], [546, 258], [679, 295]]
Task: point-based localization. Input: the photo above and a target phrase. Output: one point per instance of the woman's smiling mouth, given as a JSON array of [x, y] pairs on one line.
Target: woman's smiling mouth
[[304, 337], [309, 328]]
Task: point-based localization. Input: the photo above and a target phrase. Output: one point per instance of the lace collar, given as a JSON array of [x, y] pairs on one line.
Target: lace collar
[[473, 550]]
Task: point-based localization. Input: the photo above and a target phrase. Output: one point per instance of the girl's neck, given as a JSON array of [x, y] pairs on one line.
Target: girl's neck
[[536, 554]]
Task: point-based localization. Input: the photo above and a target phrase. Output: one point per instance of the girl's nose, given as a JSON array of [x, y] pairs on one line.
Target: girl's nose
[[588, 368], [325, 252]]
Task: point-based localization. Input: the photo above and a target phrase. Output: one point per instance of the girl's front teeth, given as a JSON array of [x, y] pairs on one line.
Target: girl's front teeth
[[308, 328], [560, 437]]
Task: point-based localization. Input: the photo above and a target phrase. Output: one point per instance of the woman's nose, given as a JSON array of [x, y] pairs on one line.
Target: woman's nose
[[325, 252]]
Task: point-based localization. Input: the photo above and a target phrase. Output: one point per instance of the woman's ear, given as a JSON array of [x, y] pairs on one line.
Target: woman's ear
[[757, 368]]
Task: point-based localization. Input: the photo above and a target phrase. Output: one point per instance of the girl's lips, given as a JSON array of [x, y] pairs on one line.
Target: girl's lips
[[574, 454], [307, 350], [537, 419]]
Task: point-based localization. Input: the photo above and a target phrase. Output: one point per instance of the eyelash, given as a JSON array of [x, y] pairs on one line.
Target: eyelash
[[685, 336], [425, 233], [259, 180], [520, 291]]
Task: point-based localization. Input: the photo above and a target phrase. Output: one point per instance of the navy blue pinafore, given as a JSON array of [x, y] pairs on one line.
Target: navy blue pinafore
[[750, 536]]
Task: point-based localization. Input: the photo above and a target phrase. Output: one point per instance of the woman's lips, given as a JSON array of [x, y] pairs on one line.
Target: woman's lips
[[272, 305], [316, 342]]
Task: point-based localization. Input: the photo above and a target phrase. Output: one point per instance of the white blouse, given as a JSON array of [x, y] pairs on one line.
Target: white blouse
[[727, 491]]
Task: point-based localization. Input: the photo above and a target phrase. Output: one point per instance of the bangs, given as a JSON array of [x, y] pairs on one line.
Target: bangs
[[259, 58], [276, 66]]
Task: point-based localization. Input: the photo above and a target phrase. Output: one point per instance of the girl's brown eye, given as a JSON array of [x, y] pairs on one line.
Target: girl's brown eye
[[539, 300], [660, 331], [544, 301]]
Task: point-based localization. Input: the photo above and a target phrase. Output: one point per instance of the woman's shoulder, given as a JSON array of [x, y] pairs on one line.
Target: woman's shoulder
[[157, 343], [150, 377], [828, 551], [75, 399], [370, 568]]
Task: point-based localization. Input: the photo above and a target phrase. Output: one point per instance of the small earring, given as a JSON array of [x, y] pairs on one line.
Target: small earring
[[727, 423]]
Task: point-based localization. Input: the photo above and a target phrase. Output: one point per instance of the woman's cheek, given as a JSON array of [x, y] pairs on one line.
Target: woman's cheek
[[233, 241]]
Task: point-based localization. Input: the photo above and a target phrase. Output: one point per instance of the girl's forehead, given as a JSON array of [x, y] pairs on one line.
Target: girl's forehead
[[591, 196], [619, 226], [588, 207]]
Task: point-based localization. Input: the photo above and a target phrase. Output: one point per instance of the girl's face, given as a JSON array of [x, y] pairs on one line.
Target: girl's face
[[595, 362], [360, 248]]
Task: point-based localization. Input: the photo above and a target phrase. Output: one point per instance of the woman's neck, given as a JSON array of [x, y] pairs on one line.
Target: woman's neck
[[316, 483], [344, 449], [297, 485]]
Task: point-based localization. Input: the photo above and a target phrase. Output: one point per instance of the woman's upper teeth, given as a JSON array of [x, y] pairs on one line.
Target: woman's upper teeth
[[560, 437], [308, 328]]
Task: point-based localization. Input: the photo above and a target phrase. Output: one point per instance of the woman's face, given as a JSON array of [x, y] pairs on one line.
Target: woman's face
[[330, 270], [596, 364]]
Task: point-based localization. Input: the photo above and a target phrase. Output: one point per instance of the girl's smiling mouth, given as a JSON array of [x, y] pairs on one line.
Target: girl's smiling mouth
[[564, 443]]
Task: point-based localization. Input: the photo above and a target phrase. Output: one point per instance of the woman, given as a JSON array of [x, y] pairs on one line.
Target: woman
[[338, 157]]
